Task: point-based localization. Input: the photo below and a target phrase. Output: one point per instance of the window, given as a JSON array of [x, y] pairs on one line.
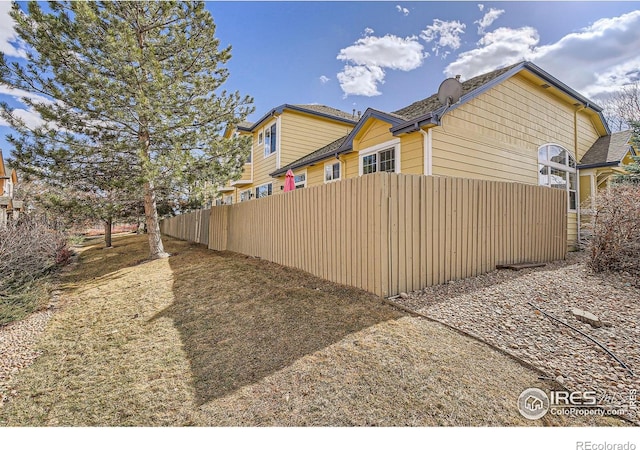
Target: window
[[245, 195], [260, 138], [300, 180], [270, 141], [557, 169], [227, 199], [383, 160], [264, 190], [331, 172]]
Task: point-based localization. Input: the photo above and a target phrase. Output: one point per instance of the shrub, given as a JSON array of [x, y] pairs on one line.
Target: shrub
[[29, 249], [615, 236]]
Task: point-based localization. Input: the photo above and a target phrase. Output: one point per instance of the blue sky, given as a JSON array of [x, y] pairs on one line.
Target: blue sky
[[385, 55]]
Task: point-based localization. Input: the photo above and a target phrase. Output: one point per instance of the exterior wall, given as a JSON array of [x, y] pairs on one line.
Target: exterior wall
[[303, 134], [496, 136], [297, 135]]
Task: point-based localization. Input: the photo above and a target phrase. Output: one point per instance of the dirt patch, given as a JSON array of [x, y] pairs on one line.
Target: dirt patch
[[212, 339]]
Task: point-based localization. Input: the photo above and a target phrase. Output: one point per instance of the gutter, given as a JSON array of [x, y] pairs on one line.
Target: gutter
[[308, 162], [595, 165]]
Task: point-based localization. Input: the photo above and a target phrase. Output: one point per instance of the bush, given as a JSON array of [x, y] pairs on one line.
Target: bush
[[29, 250], [615, 236]]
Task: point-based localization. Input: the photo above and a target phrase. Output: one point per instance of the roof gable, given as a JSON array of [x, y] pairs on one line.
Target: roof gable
[[608, 150], [323, 111], [429, 110]]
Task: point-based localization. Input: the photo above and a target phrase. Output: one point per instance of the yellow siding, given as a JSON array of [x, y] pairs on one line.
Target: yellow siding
[[374, 133], [298, 135], [587, 134], [315, 174], [412, 154], [496, 135], [303, 134], [628, 159], [585, 188]]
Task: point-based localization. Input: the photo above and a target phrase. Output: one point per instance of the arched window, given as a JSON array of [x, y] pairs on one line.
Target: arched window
[[557, 169]]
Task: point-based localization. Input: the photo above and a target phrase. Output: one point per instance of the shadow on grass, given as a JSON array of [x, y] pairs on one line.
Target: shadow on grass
[[99, 262], [242, 319]]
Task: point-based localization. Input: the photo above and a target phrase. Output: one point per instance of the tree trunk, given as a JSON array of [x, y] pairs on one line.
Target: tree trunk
[[156, 249], [107, 233]]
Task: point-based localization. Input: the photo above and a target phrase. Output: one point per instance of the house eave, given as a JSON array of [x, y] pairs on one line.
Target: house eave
[[596, 165], [280, 109]]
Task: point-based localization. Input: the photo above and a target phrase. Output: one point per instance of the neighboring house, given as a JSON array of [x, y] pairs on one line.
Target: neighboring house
[[9, 208], [602, 161], [516, 124], [283, 135]]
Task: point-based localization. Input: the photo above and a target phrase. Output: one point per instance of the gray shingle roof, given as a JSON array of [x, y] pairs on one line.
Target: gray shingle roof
[[318, 110], [608, 149], [312, 157], [329, 111], [430, 104]]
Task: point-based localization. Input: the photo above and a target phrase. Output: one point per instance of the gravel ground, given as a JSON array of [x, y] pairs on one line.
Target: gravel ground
[[17, 341], [494, 308]]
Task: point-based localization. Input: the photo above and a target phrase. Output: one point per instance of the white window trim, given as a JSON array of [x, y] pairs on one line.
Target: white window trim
[[261, 185], [395, 143], [278, 141], [427, 146], [302, 172], [331, 164], [564, 168], [242, 192], [264, 140]]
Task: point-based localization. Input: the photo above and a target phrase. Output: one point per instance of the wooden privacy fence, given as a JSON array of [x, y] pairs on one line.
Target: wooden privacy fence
[[391, 233], [192, 226]]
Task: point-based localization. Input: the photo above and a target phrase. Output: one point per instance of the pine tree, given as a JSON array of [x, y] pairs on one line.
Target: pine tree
[[135, 87], [632, 175]]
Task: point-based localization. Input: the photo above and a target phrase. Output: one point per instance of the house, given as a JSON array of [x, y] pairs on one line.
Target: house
[[8, 207], [603, 161], [517, 124], [281, 136]]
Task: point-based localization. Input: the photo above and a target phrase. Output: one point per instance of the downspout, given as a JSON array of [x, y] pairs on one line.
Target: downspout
[[575, 152], [427, 145]]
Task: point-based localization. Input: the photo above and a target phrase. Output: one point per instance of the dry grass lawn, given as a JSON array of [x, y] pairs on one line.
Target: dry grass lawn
[[218, 339]]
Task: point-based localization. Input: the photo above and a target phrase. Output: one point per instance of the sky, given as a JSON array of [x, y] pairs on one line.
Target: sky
[[386, 55]]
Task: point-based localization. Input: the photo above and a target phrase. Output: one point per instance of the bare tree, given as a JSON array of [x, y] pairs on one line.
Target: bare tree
[[623, 107]]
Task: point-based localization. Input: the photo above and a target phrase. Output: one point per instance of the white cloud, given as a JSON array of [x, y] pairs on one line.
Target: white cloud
[[19, 94], [489, 17], [498, 48], [389, 51], [480, 7], [368, 57], [595, 60], [324, 79], [361, 80], [9, 41], [402, 10], [443, 34], [368, 31], [29, 116]]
